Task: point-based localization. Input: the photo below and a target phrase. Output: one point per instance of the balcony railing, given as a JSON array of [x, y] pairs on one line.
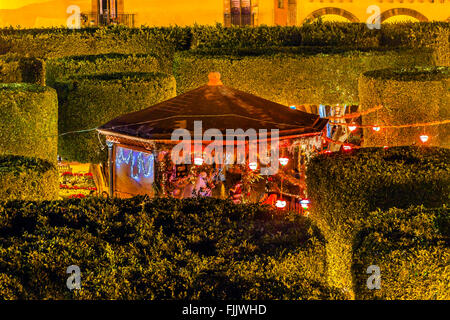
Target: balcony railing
[[242, 19], [96, 19]]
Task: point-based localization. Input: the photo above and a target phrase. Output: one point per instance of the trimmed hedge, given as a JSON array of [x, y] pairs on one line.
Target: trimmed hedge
[[63, 42], [409, 95], [24, 178], [412, 249], [298, 76], [144, 249], [15, 69], [58, 42], [28, 121], [87, 102], [345, 187], [59, 69]]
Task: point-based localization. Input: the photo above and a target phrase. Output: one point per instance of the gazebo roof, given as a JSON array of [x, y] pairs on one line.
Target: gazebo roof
[[217, 106]]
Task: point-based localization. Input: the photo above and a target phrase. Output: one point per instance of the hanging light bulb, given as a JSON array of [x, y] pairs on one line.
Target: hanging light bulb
[[253, 166], [284, 161], [347, 147], [280, 204], [305, 203], [424, 138], [376, 128], [198, 161], [352, 127]]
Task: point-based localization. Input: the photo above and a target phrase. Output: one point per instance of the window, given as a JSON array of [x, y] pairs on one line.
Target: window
[[240, 13], [281, 4]]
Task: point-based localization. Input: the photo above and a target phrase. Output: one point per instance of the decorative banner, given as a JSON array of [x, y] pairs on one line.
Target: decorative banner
[[140, 164]]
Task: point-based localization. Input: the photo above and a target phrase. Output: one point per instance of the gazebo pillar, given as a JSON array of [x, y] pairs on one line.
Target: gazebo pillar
[[110, 145]]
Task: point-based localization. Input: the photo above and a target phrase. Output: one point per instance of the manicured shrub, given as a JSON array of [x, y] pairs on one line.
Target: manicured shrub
[[298, 76], [408, 95], [62, 42], [160, 249], [411, 248], [87, 102], [63, 68], [28, 121], [24, 178], [15, 69], [345, 187]]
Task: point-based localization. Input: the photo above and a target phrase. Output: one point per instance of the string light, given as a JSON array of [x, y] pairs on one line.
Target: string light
[[280, 204], [284, 161], [253, 166], [198, 161], [347, 147], [136, 161], [424, 138], [305, 203]]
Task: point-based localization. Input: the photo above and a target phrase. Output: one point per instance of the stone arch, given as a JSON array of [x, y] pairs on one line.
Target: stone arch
[[331, 10], [403, 12]]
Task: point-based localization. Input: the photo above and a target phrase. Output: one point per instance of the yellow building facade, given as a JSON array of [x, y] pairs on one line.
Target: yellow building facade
[[54, 13]]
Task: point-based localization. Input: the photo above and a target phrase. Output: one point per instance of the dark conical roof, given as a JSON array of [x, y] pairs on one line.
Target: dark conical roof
[[217, 106]]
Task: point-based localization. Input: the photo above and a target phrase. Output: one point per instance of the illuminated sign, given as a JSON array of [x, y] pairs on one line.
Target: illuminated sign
[[142, 165]]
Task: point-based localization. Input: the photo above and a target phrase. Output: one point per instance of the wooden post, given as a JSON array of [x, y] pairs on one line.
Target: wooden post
[[111, 167]]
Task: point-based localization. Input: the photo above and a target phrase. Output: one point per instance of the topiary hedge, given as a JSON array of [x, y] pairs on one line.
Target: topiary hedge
[[409, 95], [142, 249], [24, 178], [63, 42], [294, 77], [87, 102], [412, 249], [345, 187], [58, 69], [28, 121], [14, 69]]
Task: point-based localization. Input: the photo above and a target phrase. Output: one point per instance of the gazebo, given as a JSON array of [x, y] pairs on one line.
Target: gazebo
[[140, 143]]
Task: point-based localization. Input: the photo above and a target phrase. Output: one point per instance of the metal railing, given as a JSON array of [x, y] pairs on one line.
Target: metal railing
[[96, 19]]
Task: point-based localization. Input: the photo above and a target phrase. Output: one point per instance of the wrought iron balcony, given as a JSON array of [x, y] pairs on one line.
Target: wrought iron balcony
[[96, 19]]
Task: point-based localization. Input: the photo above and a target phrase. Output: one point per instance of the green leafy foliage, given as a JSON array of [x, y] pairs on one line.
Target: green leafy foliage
[[86, 102], [408, 95], [63, 68], [15, 69], [345, 187], [295, 77], [159, 249], [28, 121], [411, 247], [25, 178]]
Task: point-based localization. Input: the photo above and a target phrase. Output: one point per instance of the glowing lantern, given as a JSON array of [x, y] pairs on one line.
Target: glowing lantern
[[376, 128], [284, 161], [352, 127], [198, 161], [253, 166], [305, 203], [424, 138], [280, 204], [346, 147]]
